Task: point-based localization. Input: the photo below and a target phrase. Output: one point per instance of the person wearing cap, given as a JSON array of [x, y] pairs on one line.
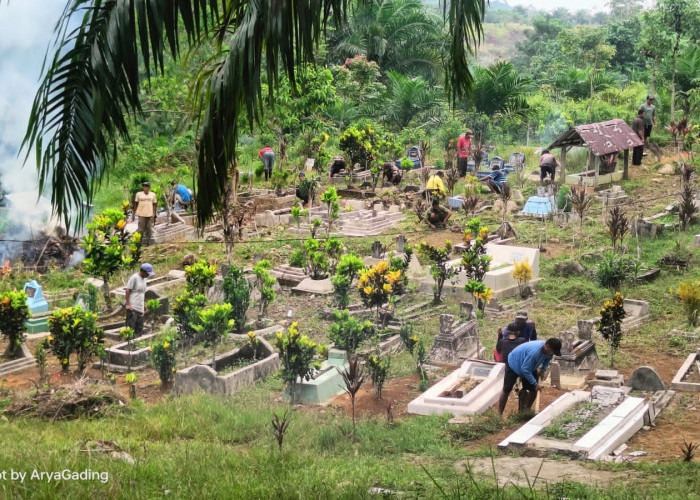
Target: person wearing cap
[[525, 329], [145, 205], [135, 298], [548, 165], [180, 194], [302, 190], [523, 363], [464, 145], [267, 155], [649, 116], [507, 344]]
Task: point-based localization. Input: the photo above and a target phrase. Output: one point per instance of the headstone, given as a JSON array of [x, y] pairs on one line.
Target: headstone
[[455, 342], [466, 309], [696, 240], [567, 341], [585, 329], [646, 379], [446, 321], [400, 243], [555, 375], [377, 249], [35, 298]]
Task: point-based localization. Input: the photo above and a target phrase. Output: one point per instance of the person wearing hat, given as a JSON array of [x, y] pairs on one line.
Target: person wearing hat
[[649, 116], [507, 344], [523, 363], [180, 195], [145, 205], [135, 298], [302, 190], [525, 329], [464, 146]]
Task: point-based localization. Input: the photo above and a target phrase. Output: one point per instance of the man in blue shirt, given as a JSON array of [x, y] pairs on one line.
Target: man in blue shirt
[[523, 363], [181, 194], [495, 180]]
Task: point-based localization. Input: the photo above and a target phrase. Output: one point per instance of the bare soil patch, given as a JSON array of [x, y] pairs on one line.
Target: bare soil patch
[[397, 392]]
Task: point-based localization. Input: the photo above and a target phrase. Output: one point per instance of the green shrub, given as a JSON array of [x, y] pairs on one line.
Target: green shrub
[[200, 277], [347, 332], [237, 291], [163, 358], [297, 356], [378, 367], [297, 258], [14, 313], [613, 269], [563, 202], [74, 330]]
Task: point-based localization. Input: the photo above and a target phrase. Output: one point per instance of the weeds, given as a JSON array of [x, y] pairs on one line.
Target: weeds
[[353, 378], [618, 226], [688, 449], [280, 426]]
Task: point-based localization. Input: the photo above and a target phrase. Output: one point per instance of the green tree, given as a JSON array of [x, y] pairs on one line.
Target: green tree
[[408, 99], [109, 248], [92, 80], [237, 292], [74, 330], [347, 332]]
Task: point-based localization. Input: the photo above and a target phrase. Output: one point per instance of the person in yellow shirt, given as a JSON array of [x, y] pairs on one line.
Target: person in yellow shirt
[[435, 184], [145, 204]]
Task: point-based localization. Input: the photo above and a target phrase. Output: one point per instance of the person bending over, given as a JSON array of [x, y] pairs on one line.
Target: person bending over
[[438, 215]]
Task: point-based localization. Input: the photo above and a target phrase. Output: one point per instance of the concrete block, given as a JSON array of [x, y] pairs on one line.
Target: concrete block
[[678, 383]]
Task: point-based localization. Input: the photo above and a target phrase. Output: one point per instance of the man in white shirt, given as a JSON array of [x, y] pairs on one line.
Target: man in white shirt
[[136, 298], [145, 205]]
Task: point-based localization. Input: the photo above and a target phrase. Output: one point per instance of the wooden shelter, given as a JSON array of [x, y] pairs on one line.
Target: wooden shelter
[[601, 139]]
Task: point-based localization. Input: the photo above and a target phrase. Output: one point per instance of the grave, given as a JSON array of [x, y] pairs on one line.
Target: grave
[[615, 417], [202, 377], [455, 343], [314, 287], [25, 360], [326, 383], [499, 279], [118, 356], [687, 377], [578, 355], [38, 306], [162, 285], [361, 222], [287, 275], [607, 378], [470, 390], [612, 197]]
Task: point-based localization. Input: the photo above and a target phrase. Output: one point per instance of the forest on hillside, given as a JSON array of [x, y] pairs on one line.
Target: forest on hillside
[[378, 79]]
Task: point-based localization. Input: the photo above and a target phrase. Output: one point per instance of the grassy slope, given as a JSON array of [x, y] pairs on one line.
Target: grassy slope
[[204, 447]]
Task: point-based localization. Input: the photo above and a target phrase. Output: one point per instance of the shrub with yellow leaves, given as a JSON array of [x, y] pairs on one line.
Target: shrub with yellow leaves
[[74, 330], [689, 293], [610, 325], [522, 272], [163, 359], [377, 284]]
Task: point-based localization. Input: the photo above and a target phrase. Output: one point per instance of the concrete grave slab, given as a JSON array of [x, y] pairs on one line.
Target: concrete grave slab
[[690, 365], [25, 360], [314, 287], [326, 383], [489, 379]]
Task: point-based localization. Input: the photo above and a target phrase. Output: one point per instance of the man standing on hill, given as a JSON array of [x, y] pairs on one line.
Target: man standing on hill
[[638, 128], [135, 298], [267, 155], [464, 145], [649, 116], [523, 362], [145, 205]]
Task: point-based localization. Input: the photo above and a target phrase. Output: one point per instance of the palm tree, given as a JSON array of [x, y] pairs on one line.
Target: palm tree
[[91, 80], [399, 35], [408, 98], [500, 90], [578, 84]]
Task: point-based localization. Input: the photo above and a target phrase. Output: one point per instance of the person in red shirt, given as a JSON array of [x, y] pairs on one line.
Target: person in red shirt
[[464, 145], [267, 155]]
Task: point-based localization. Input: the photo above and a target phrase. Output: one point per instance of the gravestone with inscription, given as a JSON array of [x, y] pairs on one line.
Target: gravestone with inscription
[[455, 343]]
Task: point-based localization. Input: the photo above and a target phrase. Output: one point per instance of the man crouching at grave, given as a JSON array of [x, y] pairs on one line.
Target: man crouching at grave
[[437, 215], [523, 362]]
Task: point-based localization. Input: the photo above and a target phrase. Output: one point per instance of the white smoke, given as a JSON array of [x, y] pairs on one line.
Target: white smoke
[[26, 30]]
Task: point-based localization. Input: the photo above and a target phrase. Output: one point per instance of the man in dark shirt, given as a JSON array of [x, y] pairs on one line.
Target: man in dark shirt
[[638, 128], [506, 345], [495, 180], [649, 116], [525, 329]]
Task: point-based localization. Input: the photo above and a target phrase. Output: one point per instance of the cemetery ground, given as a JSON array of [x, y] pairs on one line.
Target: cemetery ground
[[222, 447]]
